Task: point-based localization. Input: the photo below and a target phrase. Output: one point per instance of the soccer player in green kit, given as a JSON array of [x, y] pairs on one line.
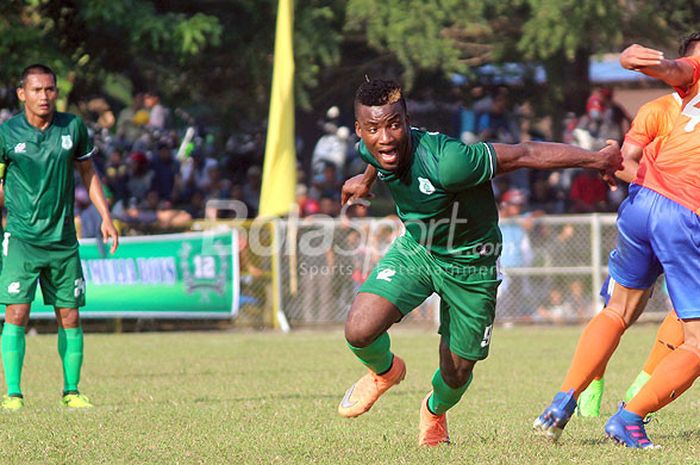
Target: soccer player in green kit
[[443, 195], [41, 147]]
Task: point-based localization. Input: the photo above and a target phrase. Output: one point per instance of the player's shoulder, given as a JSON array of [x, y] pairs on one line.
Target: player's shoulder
[[428, 139]]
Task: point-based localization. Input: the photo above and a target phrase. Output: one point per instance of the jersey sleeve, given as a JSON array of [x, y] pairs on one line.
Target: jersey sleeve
[[464, 166], [695, 63], [645, 126], [83, 145]]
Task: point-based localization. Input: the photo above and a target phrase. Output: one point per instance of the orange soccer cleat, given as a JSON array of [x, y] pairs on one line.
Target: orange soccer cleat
[[366, 391], [433, 428]]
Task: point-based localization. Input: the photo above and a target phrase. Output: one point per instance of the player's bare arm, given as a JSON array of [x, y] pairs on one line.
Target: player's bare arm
[[360, 186], [676, 73], [631, 154], [548, 155], [94, 187]]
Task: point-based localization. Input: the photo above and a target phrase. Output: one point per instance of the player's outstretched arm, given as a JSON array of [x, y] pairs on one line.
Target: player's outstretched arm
[[94, 187], [675, 73], [550, 155], [360, 186]]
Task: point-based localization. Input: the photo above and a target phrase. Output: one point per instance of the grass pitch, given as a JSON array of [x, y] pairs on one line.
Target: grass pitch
[[240, 398]]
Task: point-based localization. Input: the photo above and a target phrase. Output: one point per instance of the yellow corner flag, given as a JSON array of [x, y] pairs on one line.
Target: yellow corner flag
[[279, 169]]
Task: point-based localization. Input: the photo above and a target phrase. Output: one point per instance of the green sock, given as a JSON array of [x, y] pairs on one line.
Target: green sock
[[376, 356], [445, 397], [637, 385], [70, 349], [13, 348]]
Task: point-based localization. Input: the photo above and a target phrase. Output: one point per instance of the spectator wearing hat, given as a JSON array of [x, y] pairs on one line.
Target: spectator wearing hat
[[140, 175]]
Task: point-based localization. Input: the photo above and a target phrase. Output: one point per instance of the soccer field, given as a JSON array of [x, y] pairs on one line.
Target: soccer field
[[239, 398]]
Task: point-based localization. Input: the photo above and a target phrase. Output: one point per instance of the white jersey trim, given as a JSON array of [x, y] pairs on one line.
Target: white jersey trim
[[87, 155]]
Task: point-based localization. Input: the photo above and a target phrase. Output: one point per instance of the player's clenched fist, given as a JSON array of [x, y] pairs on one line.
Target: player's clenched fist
[[636, 56], [611, 161]]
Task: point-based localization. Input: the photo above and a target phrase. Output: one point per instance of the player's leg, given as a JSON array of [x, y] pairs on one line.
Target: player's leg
[[13, 350], [467, 311], [63, 287], [668, 338], [595, 347], [676, 240], [70, 350], [397, 285], [634, 267], [18, 280], [449, 384], [674, 375]]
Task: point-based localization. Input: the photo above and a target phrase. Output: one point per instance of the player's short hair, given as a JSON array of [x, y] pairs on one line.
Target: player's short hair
[[687, 43], [378, 92], [36, 68]]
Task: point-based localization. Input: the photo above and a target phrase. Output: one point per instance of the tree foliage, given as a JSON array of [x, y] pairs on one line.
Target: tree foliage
[[218, 53]]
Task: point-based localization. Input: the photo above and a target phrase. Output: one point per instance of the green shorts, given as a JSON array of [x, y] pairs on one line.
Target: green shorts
[[57, 267], [408, 274]]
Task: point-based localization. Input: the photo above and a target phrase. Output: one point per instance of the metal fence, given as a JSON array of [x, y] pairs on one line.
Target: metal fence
[[310, 269]]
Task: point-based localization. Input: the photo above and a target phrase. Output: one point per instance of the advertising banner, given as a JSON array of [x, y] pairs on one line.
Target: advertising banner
[[191, 275]]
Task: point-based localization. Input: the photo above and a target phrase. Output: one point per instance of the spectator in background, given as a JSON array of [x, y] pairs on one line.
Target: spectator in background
[[158, 114], [140, 175], [619, 117], [219, 185], [556, 310], [517, 252], [588, 193], [194, 172], [329, 206], [331, 148], [117, 175], [327, 184], [251, 188], [603, 120], [166, 172], [130, 123], [195, 205], [497, 124], [307, 205]]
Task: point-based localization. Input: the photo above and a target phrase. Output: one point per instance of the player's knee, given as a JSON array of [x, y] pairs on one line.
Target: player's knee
[[16, 315], [456, 375], [358, 335], [70, 318]]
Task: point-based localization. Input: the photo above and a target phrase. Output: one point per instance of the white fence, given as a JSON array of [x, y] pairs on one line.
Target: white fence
[[553, 267]]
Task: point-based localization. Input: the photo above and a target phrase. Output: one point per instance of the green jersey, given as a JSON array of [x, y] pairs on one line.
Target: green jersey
[[39, 178], [444, 196]]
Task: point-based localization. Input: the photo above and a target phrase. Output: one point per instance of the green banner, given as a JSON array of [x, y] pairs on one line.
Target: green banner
[[192, 275]]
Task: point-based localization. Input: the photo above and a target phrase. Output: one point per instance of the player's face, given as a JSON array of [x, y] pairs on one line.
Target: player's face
[[386, 133], [39, 94]]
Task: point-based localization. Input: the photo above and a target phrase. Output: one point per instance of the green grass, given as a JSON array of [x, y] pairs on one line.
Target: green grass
[[241, 398]]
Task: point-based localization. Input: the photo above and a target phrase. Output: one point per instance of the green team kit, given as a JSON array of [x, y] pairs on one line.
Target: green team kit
[[39, 239], [452, 240]]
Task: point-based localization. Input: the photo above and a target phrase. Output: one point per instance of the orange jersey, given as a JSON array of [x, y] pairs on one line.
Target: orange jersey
[[675, 172], [653, 122]]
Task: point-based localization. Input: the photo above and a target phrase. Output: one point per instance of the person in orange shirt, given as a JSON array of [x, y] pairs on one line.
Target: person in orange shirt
[[659, 231], [653, 122]]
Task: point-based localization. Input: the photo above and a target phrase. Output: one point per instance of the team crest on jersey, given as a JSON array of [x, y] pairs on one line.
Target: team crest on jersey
[[386, 274], [21, 148], [67, 142], [425, 186]]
